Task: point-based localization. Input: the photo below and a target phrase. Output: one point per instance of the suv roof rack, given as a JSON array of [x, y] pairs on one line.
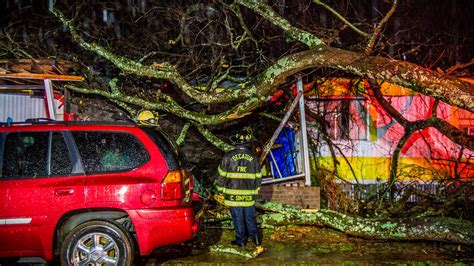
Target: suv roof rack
[[47, 121], [39, 120]]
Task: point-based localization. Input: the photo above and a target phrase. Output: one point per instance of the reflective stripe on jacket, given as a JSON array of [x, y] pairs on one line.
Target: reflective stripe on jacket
[[239, 177]]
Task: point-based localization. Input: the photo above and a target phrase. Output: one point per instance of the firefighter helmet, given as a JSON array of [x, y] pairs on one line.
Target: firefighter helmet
[[146, 118], [242, 136]]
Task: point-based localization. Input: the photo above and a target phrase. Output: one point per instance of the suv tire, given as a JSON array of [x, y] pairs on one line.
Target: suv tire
[[97, 243]]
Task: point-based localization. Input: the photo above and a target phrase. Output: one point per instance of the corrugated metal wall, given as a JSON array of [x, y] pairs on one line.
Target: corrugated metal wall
[[21, 107]]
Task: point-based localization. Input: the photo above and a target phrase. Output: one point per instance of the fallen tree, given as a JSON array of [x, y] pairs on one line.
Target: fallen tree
[[424, 228], [444, 229], [155, 62], [247, 97]]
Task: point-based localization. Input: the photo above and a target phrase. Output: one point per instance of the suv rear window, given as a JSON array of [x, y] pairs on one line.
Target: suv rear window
[[168, 148], [35, 154], [109, 151]]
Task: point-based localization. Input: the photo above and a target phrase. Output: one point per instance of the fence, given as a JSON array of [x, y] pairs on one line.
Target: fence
[[375, 191]]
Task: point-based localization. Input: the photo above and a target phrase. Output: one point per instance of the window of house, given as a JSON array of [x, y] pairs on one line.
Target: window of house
[[109, 151], [346, 119], [35, 154]]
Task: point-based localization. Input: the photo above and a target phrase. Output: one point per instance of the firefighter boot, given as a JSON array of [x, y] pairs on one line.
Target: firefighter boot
[[237, 243], [256, 240]]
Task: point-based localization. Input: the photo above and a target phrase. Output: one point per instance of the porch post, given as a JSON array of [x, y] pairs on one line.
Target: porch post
[[48, 89], [304, 134]]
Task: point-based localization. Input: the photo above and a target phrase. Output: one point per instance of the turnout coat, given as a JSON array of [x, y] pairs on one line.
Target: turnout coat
[[239, 177]]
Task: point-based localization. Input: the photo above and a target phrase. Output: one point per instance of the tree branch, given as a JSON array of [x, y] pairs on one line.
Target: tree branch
[[162, 70], [183, 133], [342, 18], [378, 29], [213, 139], [453, 133], [445, 88], [267, 12], [170, 106]]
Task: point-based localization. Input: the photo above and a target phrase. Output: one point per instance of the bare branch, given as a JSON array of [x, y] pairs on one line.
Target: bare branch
[[450, 70], [162, 70], [342, 18], [378, 29]]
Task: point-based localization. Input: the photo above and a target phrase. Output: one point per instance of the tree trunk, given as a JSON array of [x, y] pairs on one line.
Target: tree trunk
[[428, 228]]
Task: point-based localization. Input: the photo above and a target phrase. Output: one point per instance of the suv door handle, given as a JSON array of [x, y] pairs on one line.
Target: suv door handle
[[64, 191]]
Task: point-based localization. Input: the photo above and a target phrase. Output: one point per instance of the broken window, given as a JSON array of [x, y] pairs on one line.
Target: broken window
[[109, 151]]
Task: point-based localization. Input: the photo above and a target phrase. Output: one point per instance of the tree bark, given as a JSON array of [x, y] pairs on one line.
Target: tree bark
[[427, 228], [445, 88]]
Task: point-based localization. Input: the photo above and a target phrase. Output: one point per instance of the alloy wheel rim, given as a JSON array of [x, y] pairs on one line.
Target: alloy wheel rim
[[95, 249]]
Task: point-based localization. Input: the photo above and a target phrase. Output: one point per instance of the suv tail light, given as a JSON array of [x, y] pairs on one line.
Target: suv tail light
[[176, 185], [171, 186]]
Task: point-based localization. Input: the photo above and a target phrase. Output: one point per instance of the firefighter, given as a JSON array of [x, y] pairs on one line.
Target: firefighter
[[239, 179]]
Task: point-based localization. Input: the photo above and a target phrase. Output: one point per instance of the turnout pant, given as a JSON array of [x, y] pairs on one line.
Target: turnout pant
[[245, 223]]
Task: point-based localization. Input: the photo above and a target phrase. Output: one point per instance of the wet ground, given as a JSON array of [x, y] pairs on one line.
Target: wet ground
[[309, 245], [304, 245]]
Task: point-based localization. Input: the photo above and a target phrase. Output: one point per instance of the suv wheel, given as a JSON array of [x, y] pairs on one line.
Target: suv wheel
[[97, 243]]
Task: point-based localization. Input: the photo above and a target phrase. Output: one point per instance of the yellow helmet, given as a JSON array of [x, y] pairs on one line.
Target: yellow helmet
[[146, 117], [242, 136]]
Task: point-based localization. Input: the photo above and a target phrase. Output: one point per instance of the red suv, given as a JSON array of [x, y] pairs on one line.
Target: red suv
[[91, 193]]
